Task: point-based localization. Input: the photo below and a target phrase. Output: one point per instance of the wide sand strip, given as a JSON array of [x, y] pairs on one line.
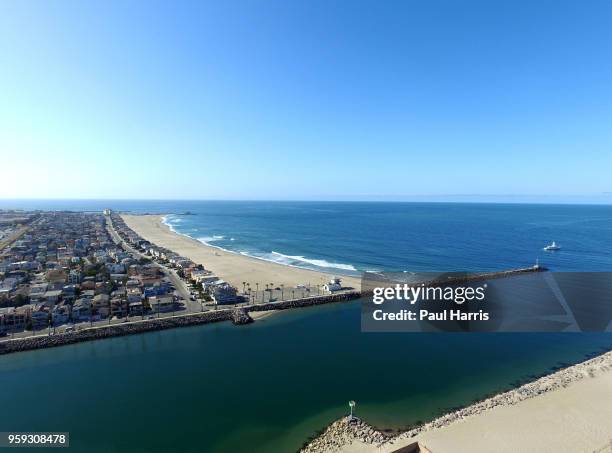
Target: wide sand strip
[[577, 418], [567, 411], [231, 267]]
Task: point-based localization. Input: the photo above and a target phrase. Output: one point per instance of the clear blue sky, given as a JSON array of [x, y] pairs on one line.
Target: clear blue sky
[[305, 100]]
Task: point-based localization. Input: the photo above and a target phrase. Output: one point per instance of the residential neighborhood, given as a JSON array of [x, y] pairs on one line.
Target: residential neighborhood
[[65, 268]]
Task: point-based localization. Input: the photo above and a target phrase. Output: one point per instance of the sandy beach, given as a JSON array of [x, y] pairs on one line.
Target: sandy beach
[[567, 411], [231, 267]]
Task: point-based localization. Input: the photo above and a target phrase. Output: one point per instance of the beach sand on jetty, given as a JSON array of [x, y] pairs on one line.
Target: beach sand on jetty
[[231, 267], [567, 411]]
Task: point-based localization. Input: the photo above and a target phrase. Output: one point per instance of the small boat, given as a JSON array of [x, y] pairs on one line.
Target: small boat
[[552, 247]]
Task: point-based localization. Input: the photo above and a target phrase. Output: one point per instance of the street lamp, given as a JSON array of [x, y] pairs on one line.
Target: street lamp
[[352, 406]]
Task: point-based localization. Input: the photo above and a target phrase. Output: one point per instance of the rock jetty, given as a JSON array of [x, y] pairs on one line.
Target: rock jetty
[[306, 302], [241, 316], [115, 330], [344, 432], [238, 316], [340, 434]]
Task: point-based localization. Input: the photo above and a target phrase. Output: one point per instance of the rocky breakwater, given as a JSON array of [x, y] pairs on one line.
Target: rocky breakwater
[[306, 302], [344, 432], [240, 316], [338, 435], [116, 330], [554, 381]]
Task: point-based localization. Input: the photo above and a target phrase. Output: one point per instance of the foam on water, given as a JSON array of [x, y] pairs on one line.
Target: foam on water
[[274, 257], [401, 236], [302, 262], [169, 220], [207, 239], [282, 258]]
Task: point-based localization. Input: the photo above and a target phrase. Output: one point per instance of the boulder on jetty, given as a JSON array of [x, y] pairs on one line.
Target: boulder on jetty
[[343, 432], [240, 316]]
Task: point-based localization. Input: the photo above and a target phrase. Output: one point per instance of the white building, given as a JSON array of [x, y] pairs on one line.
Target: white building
[[161, 303], [333, 285]]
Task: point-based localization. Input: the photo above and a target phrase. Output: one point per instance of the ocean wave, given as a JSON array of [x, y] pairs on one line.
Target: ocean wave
[[314, 262], [274, 257], [167, 221], [207, 239], [303, 263]]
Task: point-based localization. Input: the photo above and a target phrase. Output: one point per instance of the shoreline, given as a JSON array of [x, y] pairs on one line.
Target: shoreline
[[230, 266], [164, 221], [566, 410]]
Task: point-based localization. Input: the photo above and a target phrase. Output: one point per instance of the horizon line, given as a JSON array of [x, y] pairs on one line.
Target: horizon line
[[526, 199]]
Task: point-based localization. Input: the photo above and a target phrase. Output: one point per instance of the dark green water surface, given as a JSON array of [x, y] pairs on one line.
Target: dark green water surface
[[265, 387]]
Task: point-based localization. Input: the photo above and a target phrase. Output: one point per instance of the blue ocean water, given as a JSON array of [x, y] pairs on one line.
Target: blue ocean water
[[348, 237]]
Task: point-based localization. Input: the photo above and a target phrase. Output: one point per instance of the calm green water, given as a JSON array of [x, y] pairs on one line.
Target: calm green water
[[266, 387]]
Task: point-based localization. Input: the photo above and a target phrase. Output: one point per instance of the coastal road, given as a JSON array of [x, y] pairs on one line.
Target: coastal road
[[5, 242], [180, 285]]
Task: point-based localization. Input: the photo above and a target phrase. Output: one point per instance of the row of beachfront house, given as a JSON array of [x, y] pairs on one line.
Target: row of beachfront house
[[66, 268], [220, 291]]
